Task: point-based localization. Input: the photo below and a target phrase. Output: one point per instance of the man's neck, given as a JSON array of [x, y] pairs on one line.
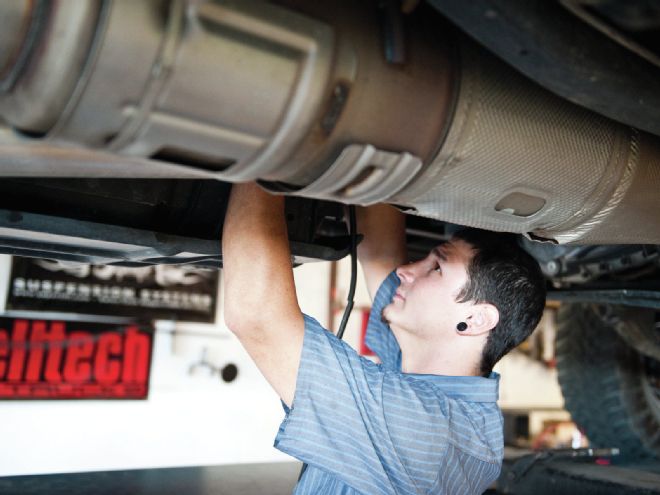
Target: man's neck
[[455, 358]]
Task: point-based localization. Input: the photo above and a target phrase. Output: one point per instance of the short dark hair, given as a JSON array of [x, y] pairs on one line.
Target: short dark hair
[[501, 273]]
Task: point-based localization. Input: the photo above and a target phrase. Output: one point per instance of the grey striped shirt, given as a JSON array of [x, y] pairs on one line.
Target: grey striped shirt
[[371, 429]]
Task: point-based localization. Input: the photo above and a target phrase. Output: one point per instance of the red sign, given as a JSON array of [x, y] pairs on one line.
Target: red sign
[[42, 359], [364, 348]]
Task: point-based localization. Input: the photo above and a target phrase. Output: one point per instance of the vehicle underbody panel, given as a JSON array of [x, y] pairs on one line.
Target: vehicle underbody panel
[[353, 103]]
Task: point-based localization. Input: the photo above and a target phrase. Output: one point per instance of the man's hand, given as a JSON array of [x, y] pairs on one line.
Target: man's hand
[[260, 305], [384, 245]]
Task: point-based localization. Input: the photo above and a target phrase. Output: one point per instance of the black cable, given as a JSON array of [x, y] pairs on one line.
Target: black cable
[[352, 225], [352, 231]]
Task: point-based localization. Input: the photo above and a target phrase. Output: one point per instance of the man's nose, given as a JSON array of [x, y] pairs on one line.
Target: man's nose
[[406, 272]]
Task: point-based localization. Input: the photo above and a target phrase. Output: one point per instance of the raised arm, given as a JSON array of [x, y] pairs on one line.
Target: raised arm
[[261, 306], [384, 244]]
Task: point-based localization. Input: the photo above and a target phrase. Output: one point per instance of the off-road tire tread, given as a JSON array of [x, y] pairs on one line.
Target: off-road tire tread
[[600, 378]]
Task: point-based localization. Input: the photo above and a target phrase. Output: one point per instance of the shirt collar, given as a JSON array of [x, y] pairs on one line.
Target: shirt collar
[[470, 388]]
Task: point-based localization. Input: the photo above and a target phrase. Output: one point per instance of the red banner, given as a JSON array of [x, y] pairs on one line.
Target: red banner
[[364, 348], [44, 359]]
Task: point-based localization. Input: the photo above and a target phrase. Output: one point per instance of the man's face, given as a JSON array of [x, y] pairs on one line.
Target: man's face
[[425, 302]]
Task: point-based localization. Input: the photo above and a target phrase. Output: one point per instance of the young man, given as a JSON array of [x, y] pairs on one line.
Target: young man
[[425, 420]]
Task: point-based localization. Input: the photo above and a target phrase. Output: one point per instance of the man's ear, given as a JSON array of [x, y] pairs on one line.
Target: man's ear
[[484, 317]]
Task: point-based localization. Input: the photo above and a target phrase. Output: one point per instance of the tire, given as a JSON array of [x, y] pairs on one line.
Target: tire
[[611, 391]]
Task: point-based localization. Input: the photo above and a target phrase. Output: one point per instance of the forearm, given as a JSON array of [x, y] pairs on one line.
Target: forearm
[[261, 307], [384, 230], [258, 277], [384, 245]]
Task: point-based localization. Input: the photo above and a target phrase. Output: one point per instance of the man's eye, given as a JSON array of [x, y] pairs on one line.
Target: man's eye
[[437, 269]]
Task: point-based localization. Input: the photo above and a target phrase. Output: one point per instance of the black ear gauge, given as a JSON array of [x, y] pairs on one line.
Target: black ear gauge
[[461, 327]]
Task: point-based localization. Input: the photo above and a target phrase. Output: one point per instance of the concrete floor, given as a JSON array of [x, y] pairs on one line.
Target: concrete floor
[[241, 479], [520, 477], [552, 473]]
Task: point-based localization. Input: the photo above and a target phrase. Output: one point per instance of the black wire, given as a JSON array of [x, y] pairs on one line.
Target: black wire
[[352, 230], [351, 291]]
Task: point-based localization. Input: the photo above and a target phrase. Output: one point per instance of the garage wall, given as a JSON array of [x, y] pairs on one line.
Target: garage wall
[[189, 419]]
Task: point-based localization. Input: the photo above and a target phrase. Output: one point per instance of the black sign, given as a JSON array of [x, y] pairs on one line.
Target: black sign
[[54, 359], [149, 293]]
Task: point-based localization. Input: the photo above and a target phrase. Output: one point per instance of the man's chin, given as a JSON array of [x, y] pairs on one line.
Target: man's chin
[[384, 314]]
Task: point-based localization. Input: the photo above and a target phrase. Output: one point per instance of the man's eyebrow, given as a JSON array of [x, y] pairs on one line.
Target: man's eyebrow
[[436, 250]]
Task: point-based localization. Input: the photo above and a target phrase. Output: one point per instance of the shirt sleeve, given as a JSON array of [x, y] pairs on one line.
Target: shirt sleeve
[[380, 338], [372, 428]]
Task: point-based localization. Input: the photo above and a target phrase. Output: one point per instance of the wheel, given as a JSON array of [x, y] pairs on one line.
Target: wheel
[[611, 390]]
